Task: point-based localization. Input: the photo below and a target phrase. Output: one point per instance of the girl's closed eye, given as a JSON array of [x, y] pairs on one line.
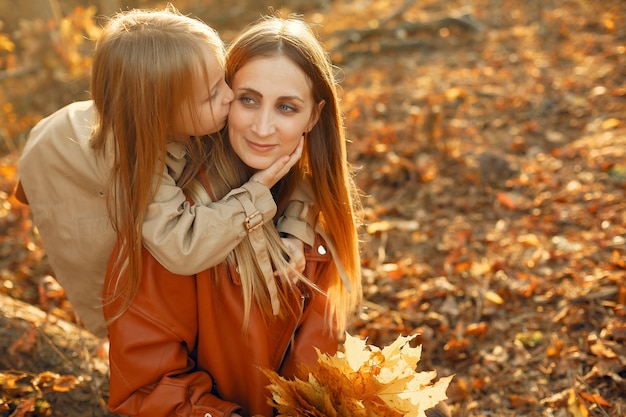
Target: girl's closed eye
[[210, 95], [215, 93], [216, 90]]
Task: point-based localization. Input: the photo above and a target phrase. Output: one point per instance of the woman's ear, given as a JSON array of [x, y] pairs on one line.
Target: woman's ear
[[315, 115]]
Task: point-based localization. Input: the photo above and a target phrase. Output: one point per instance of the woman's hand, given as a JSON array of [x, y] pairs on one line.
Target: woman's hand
[[280, 168]]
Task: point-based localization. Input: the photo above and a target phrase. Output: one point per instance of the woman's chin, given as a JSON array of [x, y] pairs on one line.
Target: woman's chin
[[257, 165], [259, 168]]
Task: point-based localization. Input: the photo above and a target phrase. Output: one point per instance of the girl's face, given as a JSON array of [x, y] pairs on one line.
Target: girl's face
[[207, 111], [273, 107]]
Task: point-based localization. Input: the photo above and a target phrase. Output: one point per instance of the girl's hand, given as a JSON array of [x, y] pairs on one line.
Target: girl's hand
[[280, 168], [297, 260]]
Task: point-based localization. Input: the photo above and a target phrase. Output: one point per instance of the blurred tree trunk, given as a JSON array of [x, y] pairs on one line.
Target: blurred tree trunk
[[33, 343]]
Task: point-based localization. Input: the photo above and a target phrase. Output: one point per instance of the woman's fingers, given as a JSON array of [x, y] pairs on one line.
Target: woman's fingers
[[279, 168], [296, 252], [295, 249]]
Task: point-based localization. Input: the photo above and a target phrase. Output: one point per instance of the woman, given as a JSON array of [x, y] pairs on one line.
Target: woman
[[198, 346]]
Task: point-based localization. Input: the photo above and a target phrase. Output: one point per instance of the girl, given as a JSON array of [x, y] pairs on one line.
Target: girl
[[105, 169], [198, 346]]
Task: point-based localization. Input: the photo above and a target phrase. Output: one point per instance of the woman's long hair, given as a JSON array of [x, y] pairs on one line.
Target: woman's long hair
[[144, 68], [324, 160]]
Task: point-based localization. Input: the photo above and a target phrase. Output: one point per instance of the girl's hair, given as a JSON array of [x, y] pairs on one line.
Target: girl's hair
[[144, 68], [324, 161]]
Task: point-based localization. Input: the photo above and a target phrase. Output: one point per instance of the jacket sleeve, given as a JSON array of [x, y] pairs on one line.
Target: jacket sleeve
[[300, 214], [187, 239], [152, 372]]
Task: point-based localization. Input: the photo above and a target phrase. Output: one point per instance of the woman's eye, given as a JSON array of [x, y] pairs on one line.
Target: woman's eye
[[286, 108], [246, 100]]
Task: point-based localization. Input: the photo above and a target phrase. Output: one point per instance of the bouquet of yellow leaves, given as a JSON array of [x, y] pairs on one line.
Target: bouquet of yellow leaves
[[362, 381]]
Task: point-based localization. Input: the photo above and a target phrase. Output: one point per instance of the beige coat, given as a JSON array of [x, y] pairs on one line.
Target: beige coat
[[64, 182]]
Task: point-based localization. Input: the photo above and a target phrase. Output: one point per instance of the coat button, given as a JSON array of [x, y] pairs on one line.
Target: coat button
[[208, 415], [321, 250]]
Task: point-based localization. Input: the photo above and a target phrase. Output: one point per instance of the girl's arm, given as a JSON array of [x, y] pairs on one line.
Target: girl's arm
[[187, 238]]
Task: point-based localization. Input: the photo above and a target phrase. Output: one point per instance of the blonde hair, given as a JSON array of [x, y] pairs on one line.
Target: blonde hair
[[324, 160], [144, 68]]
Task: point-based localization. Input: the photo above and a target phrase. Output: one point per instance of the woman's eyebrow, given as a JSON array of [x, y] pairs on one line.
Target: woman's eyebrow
[[297, 98], [253, 91]]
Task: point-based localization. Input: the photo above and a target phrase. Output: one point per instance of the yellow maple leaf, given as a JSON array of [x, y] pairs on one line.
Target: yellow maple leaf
[[356, 352], [416, 398], [400, 359]]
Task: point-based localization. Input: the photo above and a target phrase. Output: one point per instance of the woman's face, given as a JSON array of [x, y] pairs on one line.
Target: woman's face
[[207, 111], [273, 107]]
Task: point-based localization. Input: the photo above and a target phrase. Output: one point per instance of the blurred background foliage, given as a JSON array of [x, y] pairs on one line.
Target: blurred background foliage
[[490, 139]]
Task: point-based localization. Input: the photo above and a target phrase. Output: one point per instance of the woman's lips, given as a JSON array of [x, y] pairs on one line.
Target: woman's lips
[[258, 147]]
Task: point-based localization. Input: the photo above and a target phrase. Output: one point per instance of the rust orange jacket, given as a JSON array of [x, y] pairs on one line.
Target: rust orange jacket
[[180, 350]]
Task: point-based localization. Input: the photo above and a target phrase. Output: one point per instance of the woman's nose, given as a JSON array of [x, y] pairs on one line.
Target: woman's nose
[[263, 124]]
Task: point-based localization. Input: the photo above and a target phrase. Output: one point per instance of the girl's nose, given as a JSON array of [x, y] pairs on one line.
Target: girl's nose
[[229, 96]]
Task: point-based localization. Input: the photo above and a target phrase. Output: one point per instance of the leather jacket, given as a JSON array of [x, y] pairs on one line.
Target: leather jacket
[[180, 348]]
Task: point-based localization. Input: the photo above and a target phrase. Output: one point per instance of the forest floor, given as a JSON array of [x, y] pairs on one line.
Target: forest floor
[[489, 139]]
